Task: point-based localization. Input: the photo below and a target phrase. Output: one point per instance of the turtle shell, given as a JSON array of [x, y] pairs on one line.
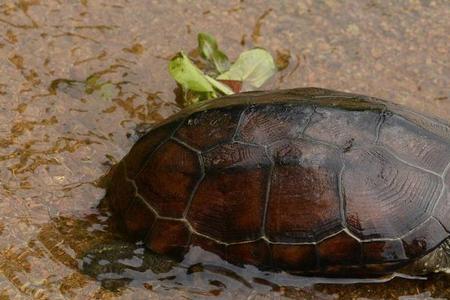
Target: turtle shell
[[304, 180]]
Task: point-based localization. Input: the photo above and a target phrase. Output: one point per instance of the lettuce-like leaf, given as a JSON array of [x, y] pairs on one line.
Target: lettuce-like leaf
[[210, 51], [188, 75], [250, 71], [253, 67], [223, 88]]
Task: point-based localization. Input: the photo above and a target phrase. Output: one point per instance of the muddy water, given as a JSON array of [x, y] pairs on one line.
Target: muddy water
[[77, 78]]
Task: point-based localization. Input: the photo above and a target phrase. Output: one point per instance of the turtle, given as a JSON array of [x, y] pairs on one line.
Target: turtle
[[308, 181]]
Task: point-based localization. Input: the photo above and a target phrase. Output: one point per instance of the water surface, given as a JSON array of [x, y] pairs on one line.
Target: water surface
[[77, 78]]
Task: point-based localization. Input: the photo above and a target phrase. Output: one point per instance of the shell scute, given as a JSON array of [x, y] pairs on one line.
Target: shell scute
[[387, 251], [415, 144], [209, 245], [442, 209], [121, 192], [340, 249], [378, 189], [343, 128], [424, 239], [146, 145], [168, 179], [229, 202], [235, 156], [169, 237], [138, 219], [208, 128], [255, 253], [304, 202], [294, 257], [264, 124]]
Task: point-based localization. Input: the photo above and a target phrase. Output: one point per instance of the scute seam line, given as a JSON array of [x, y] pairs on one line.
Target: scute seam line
[[194, 231], [184, 144], [308, 121], [268, 188], [440, 223], [239, 123], [309, 138], [197, 184], [342, 202], [387, 149], [133, 185], [248, 144], [163, 142], [379, 125], [441, 195], [417, 227], [446, 171]]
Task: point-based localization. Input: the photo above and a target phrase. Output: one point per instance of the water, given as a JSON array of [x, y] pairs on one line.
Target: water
[[77, 78]]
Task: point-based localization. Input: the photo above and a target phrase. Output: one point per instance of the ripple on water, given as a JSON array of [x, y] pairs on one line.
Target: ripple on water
[[79, 77]]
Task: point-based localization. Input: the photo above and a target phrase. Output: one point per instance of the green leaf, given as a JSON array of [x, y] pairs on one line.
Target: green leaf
[[188, 75], [253, 67], [223, 88], [210, 51]]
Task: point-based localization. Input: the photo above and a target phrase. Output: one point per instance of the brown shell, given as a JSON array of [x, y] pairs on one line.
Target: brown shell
[[305, 180]]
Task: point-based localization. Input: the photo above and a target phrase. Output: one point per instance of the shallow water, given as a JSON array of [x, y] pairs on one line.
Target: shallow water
[[78, 77]]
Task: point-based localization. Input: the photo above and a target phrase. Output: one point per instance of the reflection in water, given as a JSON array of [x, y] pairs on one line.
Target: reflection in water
[[88, 244], [77, 78]]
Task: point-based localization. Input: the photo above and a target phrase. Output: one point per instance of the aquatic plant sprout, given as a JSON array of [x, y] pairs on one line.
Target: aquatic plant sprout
[[249, 72]]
